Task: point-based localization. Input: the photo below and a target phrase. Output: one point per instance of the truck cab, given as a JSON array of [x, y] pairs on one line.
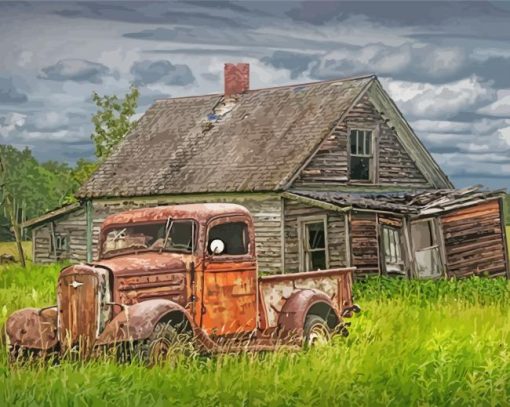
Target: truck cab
[[185, 268]]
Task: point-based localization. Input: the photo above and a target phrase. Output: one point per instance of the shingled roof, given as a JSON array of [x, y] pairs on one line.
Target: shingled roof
[[255, 142]]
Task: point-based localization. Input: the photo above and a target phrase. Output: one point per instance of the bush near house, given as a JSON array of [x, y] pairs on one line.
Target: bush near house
[[415, 342]]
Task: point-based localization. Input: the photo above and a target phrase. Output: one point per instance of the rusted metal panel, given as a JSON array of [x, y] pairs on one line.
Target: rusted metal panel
[[33, 328], [137, 322], [291, 319], [276, 290], [229, 298], [474, 241], [78, 306]]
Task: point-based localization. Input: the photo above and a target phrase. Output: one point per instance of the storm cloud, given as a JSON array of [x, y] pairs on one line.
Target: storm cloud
[[147, 72], [79, 70], [445, 64], [9, 94]]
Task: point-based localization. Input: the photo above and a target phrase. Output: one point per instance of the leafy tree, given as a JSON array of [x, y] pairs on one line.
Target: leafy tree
[[63, 183], [27, 189], [112, 120], [83, 170]]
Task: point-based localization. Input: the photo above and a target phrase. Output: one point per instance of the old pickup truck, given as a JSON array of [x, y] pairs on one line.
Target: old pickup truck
[[184, 269]]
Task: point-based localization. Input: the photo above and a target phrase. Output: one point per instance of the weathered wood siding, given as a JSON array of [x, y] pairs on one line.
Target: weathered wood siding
[[330, 165], [266, 212], [474, 241], [365, 243], [74, 225], [336, 234]]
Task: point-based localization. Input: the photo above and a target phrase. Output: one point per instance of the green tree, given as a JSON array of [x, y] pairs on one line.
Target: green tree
[[83, 170], [112, 120]]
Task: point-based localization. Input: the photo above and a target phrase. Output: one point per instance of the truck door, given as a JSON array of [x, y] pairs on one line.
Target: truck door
[[229, 299]]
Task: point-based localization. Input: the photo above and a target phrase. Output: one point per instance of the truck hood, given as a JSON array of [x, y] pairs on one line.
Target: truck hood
[[145, 262]]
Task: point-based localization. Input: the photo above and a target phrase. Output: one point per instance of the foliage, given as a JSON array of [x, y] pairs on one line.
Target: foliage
[[415, 343], [83, 170], [38, 188], [112, 120]]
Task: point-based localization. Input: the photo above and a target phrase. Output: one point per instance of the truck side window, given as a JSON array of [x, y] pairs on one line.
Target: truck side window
[[234, 235]]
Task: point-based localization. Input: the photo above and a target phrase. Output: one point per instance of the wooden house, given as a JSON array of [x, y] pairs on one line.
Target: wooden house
[[331, 171]]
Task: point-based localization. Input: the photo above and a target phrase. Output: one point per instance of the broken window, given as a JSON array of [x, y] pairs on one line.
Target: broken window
[[426, 248], [59, 242], [393, 259], [313, 245], [361, 155], [234, 236], [173, 236]]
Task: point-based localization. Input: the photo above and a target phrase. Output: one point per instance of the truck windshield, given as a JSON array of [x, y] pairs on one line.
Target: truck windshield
[[135, 238]]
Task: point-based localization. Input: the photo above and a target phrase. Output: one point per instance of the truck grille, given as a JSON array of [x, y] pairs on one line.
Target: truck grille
[[78, 304]]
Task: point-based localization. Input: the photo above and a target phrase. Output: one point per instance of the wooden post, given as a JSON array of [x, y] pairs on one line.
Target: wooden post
[[90, 220]]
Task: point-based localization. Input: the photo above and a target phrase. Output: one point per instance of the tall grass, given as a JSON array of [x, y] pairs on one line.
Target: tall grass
[[415, 343]]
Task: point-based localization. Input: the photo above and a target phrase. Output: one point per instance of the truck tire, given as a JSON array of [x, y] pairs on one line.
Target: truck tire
[[21, 356], [165, 344], [316, 331]]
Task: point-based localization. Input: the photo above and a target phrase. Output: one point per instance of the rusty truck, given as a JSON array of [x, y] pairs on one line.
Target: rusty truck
[[178, 270]]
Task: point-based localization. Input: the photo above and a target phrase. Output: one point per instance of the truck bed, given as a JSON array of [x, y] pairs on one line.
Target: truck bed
[[274, 290]]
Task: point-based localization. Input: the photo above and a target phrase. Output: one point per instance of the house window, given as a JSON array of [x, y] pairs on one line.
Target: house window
[[60, 242], [426, 248], [361, 155], [314, 248], [392, 250]]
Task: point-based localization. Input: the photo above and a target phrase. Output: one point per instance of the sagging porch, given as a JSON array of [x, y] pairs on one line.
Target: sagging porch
[[432, 234]]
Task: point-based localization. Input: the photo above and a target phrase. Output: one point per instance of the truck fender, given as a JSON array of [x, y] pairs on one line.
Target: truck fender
[[33, 328], [137, 322], [301, 303]]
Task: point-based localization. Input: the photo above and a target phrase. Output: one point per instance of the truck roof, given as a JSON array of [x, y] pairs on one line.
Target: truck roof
[[200, 212]]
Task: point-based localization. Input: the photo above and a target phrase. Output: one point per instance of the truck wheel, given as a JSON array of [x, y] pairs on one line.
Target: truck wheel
[[21, 356], [165, 344], [316, 331]]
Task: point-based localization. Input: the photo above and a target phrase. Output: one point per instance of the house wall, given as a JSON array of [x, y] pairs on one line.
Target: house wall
[[74, 225], [265, 209], [330, 165], [475, 241], [293, 211], [365, 243]]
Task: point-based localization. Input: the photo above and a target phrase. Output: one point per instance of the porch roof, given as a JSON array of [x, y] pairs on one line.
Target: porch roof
[[415, 204]]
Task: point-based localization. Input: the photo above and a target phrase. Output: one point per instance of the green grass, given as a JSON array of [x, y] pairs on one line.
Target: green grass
[[415, 343], [10, 248]]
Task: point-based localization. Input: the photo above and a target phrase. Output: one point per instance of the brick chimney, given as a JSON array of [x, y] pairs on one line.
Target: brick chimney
[[237, 78]]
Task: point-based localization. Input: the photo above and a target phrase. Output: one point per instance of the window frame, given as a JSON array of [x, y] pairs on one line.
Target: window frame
[[371, 157], [249, 255], [396, 234], [56, 242], [436, 248], [302, 222]]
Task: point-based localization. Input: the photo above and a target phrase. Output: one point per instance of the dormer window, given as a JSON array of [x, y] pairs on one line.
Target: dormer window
[[361, 157]]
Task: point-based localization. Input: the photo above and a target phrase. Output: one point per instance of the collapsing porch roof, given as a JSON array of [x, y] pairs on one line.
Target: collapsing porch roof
[[413, 204]]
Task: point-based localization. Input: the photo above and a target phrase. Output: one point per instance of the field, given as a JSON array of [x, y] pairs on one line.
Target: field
[[425, 343], [10, 248]]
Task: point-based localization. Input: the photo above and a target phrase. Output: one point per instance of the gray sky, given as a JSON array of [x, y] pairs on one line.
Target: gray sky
[[446, 64]]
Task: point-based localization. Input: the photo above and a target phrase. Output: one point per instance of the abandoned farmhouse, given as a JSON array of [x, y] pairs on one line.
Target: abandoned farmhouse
[[331, 172]]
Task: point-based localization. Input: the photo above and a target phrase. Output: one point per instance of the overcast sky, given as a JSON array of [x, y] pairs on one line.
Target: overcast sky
[[447, 65]]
